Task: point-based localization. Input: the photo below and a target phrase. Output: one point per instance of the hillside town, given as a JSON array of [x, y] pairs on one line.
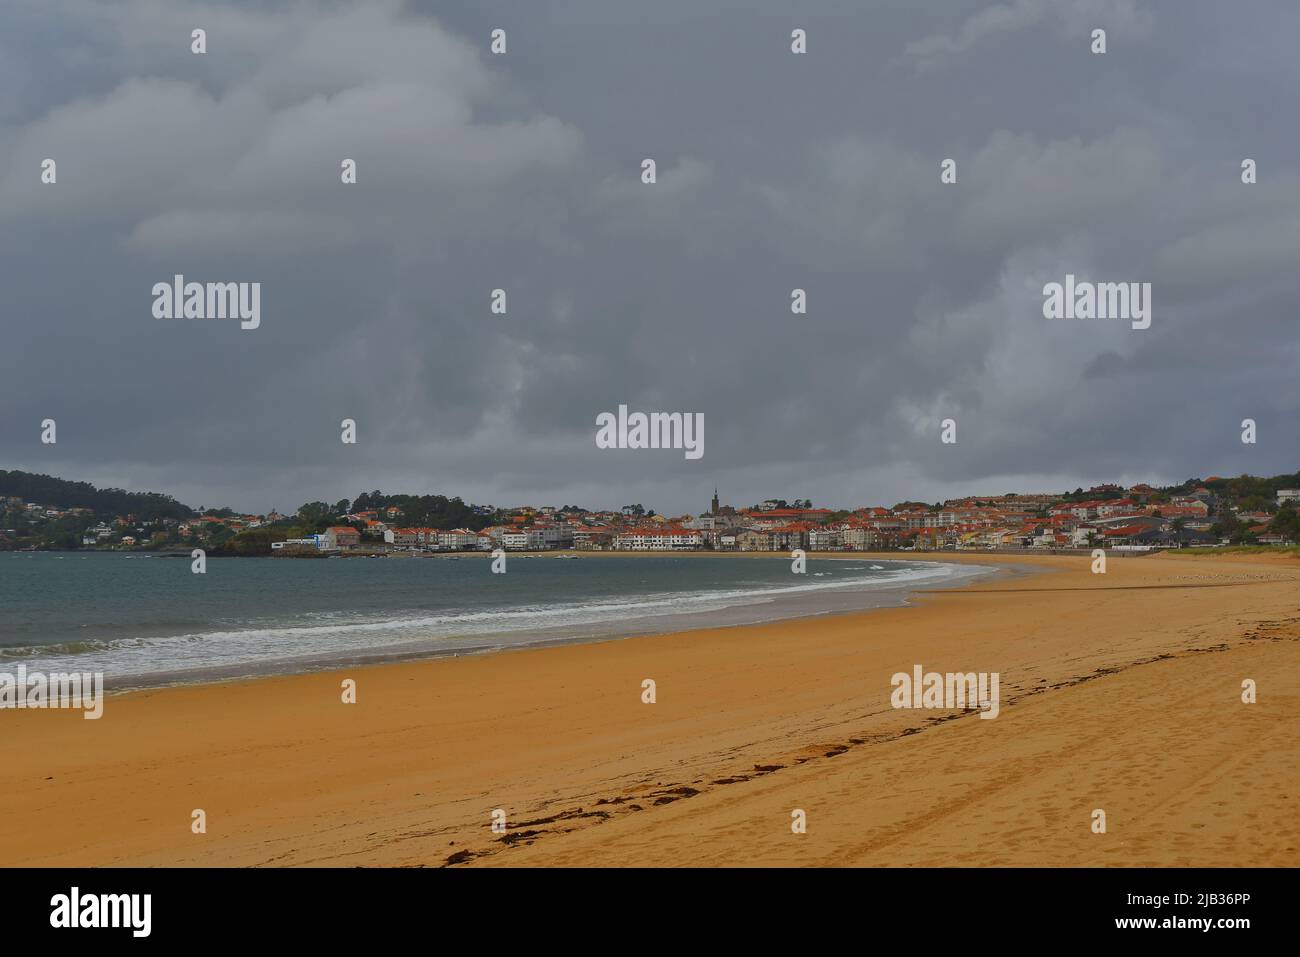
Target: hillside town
[[1135, 518]]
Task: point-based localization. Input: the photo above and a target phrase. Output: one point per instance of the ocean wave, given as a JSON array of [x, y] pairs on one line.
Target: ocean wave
[[333, 633]]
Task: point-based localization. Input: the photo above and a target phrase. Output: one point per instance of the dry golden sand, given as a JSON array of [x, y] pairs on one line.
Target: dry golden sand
[[1119, 691]]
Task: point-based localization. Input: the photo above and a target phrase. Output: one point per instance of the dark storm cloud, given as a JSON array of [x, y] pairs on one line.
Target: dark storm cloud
[[522, 172]]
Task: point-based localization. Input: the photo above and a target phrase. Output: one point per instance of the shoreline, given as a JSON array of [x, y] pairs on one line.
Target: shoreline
[[1120, 691], [760, 607]]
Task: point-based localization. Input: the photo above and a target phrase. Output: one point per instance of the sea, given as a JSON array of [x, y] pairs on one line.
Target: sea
[[146, 620]]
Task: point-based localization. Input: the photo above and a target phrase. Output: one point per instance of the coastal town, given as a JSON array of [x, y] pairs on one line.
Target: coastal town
[[1140, 517], [1137, 518]]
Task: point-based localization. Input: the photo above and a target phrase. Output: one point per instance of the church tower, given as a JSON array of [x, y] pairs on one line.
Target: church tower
[[714, 509]]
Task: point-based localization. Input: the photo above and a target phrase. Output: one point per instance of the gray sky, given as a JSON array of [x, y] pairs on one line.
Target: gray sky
[[522, 171]]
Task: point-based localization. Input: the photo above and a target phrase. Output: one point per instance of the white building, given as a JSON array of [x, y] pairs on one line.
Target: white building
[[824, 539], [314, 541], [402, 537], [522, 539], [555, 536], [859, 538], [659, 539], [1079, 537], [458, 539]]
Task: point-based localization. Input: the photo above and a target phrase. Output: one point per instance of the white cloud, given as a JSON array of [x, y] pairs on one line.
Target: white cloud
[[233, 159], [1016, 188], [1067, 17]]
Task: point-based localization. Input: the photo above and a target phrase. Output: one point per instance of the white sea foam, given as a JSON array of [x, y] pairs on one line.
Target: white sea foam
[[332, 633]]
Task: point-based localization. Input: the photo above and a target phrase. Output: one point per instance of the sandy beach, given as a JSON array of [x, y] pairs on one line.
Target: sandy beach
[[1119, 692]]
